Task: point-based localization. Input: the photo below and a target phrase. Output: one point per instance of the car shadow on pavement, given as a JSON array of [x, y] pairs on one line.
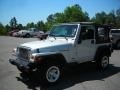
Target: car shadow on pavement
[[73, 75]]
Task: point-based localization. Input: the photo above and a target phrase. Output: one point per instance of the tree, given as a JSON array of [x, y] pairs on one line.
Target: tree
[[31, 25], [7, 27], [59, 17], [13, 23], [75, 14], [100, 18], [54, 18], [71, 14], [41, 26], [86, 16], [2, 29], [118, 18], [118, 12], [50, 18], [20, 26], [112, 18]]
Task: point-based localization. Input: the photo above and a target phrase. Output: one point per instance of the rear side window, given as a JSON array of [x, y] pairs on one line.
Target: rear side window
[[115, 31], [103, 35]]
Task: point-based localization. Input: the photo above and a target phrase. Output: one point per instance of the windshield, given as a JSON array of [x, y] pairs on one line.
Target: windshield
[[64, 31]]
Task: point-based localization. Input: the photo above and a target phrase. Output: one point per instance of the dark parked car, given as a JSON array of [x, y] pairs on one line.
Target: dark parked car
[[15, 34], [115, 34]]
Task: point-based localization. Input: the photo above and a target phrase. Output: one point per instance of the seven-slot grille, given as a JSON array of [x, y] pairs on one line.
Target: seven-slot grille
[[24, 53]]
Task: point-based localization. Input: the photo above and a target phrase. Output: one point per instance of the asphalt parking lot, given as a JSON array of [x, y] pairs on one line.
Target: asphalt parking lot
[[82, 77]]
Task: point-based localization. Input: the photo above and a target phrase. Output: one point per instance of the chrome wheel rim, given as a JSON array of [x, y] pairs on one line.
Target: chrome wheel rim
[[105, 61], [53, 74]]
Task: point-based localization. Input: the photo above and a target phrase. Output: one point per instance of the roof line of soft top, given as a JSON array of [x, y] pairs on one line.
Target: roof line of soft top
[[85, 23], [74, 23]]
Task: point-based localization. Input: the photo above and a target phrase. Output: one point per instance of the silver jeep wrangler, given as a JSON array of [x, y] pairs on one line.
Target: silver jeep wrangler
[[67, 43]]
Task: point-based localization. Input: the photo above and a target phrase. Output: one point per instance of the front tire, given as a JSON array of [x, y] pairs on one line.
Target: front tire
[[21, 70], [51, 74], [27, 35]]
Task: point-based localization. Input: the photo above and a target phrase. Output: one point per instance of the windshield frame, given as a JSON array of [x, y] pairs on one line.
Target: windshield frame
[[75, 27]]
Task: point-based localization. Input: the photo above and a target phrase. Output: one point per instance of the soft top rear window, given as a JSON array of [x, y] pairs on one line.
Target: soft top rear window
[[115, 31]]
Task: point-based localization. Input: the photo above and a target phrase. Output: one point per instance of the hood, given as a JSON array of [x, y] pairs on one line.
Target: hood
[[48, 45], [23, 31]]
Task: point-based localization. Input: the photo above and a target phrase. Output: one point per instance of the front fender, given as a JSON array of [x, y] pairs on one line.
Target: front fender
[[52, 57], [45, 54]]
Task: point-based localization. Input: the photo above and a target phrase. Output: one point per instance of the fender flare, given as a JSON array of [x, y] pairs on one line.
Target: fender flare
[[102, 49], [53, 57]]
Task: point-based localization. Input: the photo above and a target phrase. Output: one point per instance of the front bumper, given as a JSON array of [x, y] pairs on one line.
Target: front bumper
[[23, 65]]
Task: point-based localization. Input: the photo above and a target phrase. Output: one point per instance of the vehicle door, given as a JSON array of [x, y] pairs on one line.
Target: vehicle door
[[86, 43], [36, 31]]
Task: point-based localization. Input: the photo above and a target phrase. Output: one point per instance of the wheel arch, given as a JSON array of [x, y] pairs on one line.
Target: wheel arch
[[57, 58], [117, 41], [102, 49]]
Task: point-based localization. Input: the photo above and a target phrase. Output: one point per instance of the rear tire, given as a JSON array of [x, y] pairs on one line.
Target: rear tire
[[102, 62], [118, 44]]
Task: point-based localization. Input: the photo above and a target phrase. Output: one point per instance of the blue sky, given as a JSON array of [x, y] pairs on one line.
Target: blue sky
[[35, 10]]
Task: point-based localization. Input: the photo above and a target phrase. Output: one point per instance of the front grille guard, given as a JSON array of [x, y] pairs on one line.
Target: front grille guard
[[24, 53]]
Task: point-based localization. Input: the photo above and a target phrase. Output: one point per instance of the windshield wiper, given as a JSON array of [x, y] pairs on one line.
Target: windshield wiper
[[66, 38], [53, 36]]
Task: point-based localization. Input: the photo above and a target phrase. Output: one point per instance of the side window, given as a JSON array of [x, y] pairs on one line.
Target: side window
[[115, 31], [87, 32], [35, 30], [103, 35]]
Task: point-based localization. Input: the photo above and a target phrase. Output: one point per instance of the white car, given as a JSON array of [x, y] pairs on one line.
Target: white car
[[28, 33]]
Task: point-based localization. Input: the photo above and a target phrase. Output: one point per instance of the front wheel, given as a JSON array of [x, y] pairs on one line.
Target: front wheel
[[21, 70], [51, 74], [27, 35], [103, 62]]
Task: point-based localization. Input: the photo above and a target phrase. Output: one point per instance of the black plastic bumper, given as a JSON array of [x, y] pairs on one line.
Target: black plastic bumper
[[24, 65]]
